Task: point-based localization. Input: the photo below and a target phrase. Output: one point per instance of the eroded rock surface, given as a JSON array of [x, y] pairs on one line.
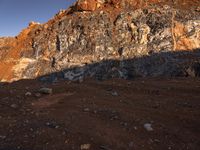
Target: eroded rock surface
[[104, 39]]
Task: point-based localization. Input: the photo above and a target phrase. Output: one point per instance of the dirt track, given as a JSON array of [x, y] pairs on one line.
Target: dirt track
[[108, 115]]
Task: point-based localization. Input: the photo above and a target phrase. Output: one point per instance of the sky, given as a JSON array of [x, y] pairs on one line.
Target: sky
[[15, 15]]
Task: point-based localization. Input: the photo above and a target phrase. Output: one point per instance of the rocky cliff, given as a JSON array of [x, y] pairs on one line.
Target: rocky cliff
[[108, 38]]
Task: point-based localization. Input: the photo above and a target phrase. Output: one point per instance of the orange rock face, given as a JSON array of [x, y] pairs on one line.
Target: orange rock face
[[185, 39], [92, 5], [87, 5]]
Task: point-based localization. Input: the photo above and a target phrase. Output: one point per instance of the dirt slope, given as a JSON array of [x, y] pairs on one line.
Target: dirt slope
[[108, 115]]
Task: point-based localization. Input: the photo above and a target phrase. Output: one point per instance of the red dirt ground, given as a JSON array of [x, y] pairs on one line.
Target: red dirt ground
[[107, 115]]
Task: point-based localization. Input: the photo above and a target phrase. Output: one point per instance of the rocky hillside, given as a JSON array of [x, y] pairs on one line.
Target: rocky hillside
[[106, 39]]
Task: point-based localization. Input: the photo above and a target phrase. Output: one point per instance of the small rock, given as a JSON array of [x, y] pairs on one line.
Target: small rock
[[114, 93], [86, 109], [125, 124], [169, 147], [52, 125], [37, 95], [14, 106], [28, 94], [198, 9], [148, 127], [67, 141], [2, 137], [85, 146], [46, 91]]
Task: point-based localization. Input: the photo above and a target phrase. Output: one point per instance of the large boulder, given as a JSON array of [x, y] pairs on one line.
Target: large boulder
[[86, 5]]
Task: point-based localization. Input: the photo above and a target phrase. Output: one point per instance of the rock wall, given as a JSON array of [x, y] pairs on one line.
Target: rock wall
[[98, 41]]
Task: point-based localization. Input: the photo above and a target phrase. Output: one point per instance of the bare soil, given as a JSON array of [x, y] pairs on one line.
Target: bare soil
[[103, 115]]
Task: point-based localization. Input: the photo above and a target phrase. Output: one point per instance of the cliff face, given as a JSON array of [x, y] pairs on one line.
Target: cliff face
[[108, 38]]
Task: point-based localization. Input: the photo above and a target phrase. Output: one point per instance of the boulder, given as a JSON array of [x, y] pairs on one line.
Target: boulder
[[86, 5], [45, 91]]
